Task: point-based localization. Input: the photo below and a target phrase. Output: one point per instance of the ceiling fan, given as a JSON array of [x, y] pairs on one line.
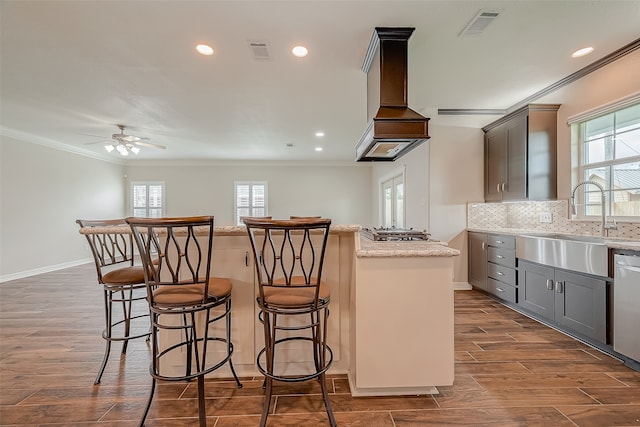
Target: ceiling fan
[[125, 144]]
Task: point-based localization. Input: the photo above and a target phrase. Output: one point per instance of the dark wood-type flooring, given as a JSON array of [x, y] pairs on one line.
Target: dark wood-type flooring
[[510, 371]]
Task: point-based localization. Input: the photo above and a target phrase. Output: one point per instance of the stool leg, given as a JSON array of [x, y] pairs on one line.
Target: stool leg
[[269, 340], [202, 412], [106, 334], [146, 409], [126, 312], [321, 344], [229, 343]]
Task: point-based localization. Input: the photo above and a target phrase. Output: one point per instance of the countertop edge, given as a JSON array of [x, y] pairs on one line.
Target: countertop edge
[[610, 242]]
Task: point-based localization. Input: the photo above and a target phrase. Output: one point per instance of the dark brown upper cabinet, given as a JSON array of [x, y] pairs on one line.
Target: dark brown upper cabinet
[[520, 155]]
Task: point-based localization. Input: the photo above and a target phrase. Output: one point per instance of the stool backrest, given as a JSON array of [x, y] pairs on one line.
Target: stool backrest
[[288, 253], [174, 251], [112, 246]]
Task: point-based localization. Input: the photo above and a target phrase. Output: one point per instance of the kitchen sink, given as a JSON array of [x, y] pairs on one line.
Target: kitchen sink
[[585, 254], [570, 237]]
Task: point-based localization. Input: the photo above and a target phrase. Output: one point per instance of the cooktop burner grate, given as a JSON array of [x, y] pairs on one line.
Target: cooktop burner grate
[[394, 234]]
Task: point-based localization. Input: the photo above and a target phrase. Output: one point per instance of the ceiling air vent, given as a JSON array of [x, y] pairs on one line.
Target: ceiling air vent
[[480, 22], [259, 49]]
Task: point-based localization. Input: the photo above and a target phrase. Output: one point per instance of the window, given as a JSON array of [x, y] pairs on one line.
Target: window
[[609, 154], [250, 199], [148, 199], [393, 202]]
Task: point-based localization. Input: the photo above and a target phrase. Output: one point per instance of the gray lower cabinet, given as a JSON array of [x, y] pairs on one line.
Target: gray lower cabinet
[[492, 262], [478, 260], [571, 300], [501, 266]]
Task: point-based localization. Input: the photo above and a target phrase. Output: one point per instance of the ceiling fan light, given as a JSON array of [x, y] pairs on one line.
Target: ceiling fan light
[[121, 148], [124, 152], [135, 150], [109, 148]]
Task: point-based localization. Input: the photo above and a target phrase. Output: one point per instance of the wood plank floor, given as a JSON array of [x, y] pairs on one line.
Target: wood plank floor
[[510, 371]]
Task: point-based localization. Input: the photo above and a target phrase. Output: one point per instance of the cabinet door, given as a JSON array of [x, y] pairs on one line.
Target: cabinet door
[[495, 163], [536, 289], [232, 258], [478, 260], [581, 304], [516, 159]]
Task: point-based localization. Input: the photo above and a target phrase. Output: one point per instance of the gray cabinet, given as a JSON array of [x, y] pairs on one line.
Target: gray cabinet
[[491, 264], [477, 264], [501, 264], [520, 155], [573, 301]]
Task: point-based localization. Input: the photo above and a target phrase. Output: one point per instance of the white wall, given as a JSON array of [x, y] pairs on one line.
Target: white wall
[[456, 176], [44, 190], [339, 192], [608, 84], [442, 175]]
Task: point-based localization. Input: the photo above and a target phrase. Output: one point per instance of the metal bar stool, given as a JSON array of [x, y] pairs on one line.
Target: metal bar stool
[[185, 300], [122, 282], [292, 297]]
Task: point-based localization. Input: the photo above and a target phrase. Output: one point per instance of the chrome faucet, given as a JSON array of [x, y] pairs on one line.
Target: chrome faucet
[[604, 227]]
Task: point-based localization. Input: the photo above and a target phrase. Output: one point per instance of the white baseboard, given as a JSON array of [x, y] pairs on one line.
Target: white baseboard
[[41, 270], [461, 286]]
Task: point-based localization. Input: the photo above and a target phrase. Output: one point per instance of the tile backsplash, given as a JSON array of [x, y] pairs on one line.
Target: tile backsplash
[[526, 216]]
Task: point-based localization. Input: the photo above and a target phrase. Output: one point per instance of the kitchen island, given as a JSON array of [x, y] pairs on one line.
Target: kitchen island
[[401, 316], [391, 323]]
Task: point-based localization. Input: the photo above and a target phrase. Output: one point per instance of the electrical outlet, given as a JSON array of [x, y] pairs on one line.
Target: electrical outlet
[[545, 217]]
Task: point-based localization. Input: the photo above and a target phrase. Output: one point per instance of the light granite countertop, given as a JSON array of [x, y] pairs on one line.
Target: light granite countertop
[[224, 230], [611, 242], [371, 249]]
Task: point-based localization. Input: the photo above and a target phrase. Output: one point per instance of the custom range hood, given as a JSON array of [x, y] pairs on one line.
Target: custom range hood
[[394, 128]]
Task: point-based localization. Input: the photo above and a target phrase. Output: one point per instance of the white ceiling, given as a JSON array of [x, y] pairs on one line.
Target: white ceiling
[[72, 70]]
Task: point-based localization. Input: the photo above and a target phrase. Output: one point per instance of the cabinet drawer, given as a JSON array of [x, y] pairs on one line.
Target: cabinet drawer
[[501, 290], [501, 273], [505, 242], [506, 257]]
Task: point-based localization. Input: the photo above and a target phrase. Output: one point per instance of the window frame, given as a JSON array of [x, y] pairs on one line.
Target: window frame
[[147, 184], [251, 207], [589, 196]]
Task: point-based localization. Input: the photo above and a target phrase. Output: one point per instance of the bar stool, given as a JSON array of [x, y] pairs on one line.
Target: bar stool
[[289, 256], [122, 282], [184, 296]]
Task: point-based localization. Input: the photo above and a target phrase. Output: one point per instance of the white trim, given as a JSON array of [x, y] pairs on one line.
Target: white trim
[[42, 270], [607, 108], [462, 286]]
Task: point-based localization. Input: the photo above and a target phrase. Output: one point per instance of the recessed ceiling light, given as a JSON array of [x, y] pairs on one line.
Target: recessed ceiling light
[[203, 49], [582, 52], [318, 148], [300, 51], [320, 134]]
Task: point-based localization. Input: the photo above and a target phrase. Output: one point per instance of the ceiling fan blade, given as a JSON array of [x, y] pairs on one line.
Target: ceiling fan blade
[[149, 144], [104, 141]]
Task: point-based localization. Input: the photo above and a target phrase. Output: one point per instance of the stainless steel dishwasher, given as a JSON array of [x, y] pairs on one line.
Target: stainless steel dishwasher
[[626, 306]]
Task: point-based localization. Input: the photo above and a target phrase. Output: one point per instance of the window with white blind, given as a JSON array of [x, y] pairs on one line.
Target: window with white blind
[[250, 199], [609, 154], [148, 199]]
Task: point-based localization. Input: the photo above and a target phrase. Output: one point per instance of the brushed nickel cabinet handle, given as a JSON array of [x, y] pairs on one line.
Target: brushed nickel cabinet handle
[[500, 273], [559, 287], [500, 256], [503, 187], [499, 289], [498, 188], [549, 284], [483, 246]]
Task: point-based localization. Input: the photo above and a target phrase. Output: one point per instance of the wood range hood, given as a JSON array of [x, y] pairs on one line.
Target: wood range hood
[[393, 128]]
